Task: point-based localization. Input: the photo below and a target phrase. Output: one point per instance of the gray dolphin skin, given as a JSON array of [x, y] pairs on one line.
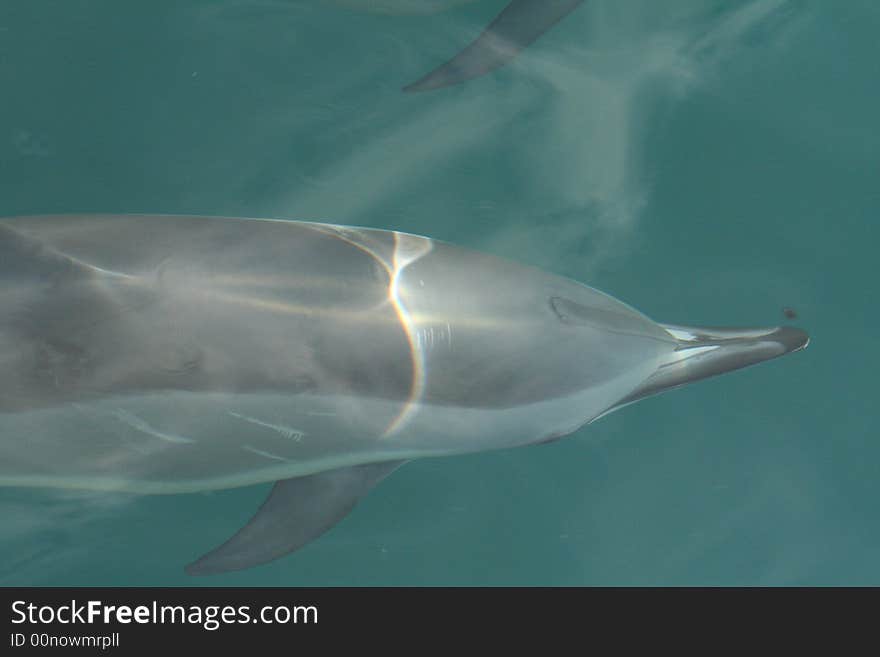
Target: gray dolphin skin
[[172, 354], [515, 28]]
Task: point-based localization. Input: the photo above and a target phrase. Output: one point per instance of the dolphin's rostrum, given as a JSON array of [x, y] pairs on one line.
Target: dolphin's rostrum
[[167, 354]]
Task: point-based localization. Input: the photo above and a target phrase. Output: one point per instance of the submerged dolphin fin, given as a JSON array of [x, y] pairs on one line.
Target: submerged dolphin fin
[[296, 512], [514, 29], [705, 352]]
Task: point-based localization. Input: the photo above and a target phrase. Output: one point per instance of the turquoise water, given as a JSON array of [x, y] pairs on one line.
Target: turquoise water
[[708, 162]]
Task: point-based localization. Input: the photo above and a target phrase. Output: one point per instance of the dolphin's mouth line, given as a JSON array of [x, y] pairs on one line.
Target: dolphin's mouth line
[[707, 352]]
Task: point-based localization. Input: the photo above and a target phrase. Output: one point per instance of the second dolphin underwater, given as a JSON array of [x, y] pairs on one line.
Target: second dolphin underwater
[[172, 354], [518, 25]]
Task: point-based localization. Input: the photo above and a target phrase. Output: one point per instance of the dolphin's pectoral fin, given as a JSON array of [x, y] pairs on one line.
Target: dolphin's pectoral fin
[[296, 512], [514, 29]]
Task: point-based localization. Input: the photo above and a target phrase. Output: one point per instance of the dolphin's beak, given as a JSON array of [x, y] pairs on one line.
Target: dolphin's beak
[[793, 339], [705, 352]]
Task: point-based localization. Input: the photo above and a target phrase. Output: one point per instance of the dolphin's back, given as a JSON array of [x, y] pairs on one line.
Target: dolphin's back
[[163, 353], [112, 306]]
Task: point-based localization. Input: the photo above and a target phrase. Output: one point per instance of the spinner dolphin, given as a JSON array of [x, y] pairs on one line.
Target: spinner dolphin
[[171, 354]]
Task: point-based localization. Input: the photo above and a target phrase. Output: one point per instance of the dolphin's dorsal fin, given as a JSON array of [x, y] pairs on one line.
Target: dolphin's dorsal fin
[[514, 29], [296, 512]]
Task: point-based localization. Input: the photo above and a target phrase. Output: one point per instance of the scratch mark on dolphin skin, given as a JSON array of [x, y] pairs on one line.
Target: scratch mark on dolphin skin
[[260, 452], [291, 434], [137, 423], [93, 415]]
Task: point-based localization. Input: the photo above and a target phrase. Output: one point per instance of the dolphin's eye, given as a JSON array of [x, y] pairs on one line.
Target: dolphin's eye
[[594, 316], [603, 317], [567, 311]]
